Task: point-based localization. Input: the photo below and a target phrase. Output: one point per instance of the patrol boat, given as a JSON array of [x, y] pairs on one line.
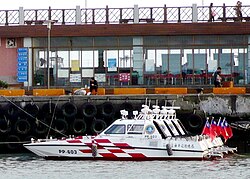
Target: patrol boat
[[151, 134]]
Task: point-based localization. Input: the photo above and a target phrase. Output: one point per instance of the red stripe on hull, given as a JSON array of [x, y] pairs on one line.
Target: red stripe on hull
[[86, 151], [123, 145], [108, 155], [116, 150], [74, 141], [137, 155], [102, 140]]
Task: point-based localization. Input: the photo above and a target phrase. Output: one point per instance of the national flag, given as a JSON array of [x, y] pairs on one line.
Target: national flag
[[224, 130], [218, 127], [206, 129], [228, 129], [213, 129]]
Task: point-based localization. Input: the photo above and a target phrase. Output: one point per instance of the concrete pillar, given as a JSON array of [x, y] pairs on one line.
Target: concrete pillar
[[78, 15], [138, 58], [21, 16], [27, 42], [136, 14], [194, 13]]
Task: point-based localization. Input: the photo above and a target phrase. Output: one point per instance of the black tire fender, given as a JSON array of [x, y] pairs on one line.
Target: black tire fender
[[79, 126], [107, 109], [32, 109], [22, 126], [69, 109], [61, 125], [195, 121], [5, 125], [40, 127], [14, 143], [98, 126], [48, 109], [89, 110]]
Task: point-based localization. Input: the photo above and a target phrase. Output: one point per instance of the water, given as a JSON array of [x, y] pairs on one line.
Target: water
[[29, 166]]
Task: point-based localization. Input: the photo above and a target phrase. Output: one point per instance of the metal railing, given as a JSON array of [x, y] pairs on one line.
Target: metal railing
[[116, 15]]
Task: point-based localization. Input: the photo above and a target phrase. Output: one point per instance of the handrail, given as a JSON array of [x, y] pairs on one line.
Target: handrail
[[108, 15]]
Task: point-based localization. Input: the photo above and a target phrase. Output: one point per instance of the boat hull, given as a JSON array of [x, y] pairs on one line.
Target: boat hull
[[104, 152]]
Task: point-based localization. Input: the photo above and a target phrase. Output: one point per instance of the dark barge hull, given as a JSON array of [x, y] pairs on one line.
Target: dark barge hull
[[26, 117]]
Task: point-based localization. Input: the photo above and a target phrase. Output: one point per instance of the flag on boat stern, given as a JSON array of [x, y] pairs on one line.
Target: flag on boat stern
[[228, 129], [206, 129]]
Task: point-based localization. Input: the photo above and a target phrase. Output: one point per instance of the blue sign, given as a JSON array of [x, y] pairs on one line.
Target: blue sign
[[111, 62], [22, 64]]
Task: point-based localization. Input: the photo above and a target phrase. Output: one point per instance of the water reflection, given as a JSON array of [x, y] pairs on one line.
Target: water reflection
[[31, 166]]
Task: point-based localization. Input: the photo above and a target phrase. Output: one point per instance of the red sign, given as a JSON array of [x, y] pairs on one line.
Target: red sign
[[124, 77]]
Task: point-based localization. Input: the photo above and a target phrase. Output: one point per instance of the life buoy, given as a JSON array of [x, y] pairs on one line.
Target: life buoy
[[32, 109], [89, 110], [107, 109], [79, 126], [61, 125], [22, 126], [5, 125], [14, 143], [69, 109], [195, 121], [98, 126]]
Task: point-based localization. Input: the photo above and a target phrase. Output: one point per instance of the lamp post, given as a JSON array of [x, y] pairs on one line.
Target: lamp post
[[49, 23]]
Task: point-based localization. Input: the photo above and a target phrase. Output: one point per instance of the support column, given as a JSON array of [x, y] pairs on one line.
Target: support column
[[194, 13], [138, 62], [78, 15], [21, 16], [136, 14]]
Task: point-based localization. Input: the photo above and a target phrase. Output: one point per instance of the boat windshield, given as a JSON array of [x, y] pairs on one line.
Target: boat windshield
[[116, 129], [135, 128]]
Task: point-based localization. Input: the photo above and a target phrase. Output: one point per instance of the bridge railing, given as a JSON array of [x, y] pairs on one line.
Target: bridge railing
[[120, 15]]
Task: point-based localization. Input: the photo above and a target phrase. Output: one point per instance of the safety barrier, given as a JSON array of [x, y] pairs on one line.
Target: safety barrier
[[48, 92], [12, 92], [101, 91], [118, 91], [170, 90], [233, 90]]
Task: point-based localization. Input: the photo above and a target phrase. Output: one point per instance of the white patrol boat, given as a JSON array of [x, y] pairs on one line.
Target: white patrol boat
[[150, 135]]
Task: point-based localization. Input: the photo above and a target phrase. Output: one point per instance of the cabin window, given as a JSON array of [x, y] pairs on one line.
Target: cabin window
[[135, 129], [116, 129]]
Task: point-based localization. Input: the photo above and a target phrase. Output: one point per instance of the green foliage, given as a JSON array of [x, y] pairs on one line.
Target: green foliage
[[3, 84]]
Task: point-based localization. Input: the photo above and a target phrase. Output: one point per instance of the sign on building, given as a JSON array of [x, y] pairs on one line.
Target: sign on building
[[22, 64]]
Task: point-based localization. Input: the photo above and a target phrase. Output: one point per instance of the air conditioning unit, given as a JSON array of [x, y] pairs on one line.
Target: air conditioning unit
[[11, 43]]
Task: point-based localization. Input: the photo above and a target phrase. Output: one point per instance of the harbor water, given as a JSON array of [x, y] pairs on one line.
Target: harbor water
[[29, 166]]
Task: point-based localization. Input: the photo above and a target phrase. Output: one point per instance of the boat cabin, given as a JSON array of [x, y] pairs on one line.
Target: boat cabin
[[157, 123]]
